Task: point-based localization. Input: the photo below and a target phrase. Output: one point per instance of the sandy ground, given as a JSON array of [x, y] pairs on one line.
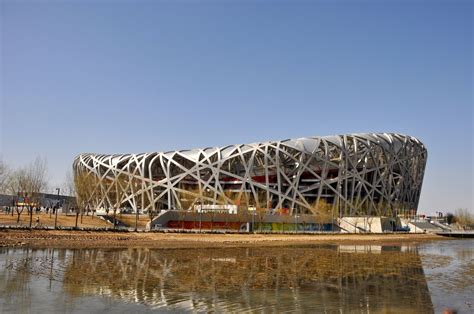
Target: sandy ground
[[104, 239]]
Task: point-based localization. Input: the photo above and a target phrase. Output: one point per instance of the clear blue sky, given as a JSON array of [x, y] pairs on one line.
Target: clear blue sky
[[136, 76]]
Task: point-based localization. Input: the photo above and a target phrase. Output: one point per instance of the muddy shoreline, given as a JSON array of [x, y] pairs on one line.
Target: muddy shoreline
[[101, 239]]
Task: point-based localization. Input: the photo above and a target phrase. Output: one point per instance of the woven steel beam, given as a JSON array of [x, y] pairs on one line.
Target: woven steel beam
[[355, 174]]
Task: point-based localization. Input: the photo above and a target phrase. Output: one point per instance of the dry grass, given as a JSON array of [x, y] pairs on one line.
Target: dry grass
[[129, 219], [46, 220]]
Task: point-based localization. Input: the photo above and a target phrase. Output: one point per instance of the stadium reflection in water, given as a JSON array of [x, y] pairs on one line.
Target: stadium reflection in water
[[319, 278]]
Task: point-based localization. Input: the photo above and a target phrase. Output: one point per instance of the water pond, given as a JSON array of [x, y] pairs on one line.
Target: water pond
[[418, 278]]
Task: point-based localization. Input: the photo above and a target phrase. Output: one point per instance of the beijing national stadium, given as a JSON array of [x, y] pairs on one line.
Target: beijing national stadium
[[349, 175]]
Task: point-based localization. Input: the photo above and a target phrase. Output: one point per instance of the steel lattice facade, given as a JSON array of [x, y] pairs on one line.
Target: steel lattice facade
[[351, 175]]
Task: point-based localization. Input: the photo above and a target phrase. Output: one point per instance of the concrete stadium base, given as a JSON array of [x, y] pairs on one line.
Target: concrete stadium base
[[368, 224]]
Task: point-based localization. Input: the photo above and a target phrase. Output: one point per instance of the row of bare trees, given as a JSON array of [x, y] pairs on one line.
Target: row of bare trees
[[26, 184], [462, 217], [85, 185]]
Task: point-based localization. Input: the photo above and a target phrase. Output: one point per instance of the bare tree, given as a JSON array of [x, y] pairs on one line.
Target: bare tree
[[69, 189], [69, 186], [84, 185], [16, 185], [117, 192], [322, 210], [3, 176], [463, 217], [36, 176], [28, 183], [133, 186]]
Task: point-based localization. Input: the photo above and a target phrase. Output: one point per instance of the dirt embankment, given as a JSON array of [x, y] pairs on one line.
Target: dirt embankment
[[97, 239]]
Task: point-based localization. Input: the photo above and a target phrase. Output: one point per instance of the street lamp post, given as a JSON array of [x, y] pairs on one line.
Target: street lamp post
[[56, 212], [200, 219], [296, 222]]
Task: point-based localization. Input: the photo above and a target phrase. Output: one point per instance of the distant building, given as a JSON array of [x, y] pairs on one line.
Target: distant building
[[347, 175], [45, 200]]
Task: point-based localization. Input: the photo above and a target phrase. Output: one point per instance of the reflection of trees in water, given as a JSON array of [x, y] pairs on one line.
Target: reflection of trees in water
[[296, 278], [16, 277], [20, 267]]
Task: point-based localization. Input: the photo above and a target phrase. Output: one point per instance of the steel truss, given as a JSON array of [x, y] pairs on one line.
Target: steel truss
[[356, 174]]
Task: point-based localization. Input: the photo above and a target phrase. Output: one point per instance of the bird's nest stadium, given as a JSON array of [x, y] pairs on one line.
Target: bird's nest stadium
[[351, 175]]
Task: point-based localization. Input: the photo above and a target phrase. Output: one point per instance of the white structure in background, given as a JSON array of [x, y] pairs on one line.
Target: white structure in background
[[348, 175]]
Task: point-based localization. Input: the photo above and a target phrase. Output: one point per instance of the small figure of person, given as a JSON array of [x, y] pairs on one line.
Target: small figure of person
[[37, 221]]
